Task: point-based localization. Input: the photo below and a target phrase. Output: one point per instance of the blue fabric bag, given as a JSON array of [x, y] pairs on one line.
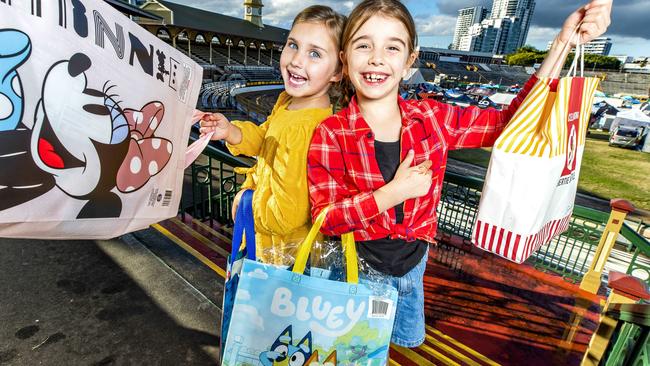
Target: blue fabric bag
[[244, 228], [284, 316]]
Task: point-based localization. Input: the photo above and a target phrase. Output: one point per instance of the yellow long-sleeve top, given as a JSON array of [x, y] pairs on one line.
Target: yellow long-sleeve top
[[279, 178]]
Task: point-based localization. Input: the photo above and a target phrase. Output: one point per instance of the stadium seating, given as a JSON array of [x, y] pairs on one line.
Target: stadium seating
[[478, 73], [254, 73], [216, 95]]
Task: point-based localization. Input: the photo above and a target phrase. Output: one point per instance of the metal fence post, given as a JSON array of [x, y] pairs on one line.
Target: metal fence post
[[592, 279]]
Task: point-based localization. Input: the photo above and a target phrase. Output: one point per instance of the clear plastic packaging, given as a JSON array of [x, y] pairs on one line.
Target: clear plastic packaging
[[327, 260]]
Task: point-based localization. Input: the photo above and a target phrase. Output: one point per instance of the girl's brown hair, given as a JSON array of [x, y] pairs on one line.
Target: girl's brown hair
[[359, 16], [334, 21]]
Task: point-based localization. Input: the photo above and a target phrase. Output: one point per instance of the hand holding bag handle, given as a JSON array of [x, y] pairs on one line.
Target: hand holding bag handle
[[349, 250], [560, 62], [196, 148]]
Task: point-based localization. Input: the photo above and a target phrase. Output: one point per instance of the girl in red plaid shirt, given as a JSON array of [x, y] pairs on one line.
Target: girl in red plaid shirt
[[379, 163]]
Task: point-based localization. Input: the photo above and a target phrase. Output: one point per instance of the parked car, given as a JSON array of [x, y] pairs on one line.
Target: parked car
[[626, 136]]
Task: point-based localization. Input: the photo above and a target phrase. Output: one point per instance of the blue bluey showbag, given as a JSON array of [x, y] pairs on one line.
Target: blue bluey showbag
[[244, 227], [282, 315]]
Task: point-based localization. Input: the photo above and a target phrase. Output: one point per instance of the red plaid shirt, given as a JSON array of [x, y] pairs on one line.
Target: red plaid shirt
[[343, 172]]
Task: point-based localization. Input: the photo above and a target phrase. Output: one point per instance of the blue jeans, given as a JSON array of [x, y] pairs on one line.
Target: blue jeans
[[408, 330]]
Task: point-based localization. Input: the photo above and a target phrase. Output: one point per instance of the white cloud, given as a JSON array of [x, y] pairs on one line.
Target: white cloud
[[248, 314], [227, 7], [621, 45], [243, 295], [435, 25], [275, 12], [281, 12], [259, 274], [539, 36]]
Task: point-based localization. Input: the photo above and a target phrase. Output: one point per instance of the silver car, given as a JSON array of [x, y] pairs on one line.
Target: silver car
[[626, 136]]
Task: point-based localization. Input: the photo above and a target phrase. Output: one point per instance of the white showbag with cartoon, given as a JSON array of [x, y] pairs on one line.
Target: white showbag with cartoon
[[94, 121]]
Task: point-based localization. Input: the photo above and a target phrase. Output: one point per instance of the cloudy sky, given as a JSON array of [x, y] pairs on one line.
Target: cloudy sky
[[436, 19]]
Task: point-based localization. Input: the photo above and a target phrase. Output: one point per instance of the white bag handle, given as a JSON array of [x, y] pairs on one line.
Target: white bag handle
[[580, 54]]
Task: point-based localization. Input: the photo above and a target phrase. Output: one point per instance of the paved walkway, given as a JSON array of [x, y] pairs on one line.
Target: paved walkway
[[115, 302]]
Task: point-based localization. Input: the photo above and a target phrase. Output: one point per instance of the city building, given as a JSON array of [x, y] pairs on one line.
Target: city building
[[522, 11], [503, 32], [466, 18], [599, 46]]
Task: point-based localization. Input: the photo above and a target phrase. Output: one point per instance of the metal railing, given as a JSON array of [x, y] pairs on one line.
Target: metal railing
[[630, 344], [215, 182], [568, 255], [640, 249]]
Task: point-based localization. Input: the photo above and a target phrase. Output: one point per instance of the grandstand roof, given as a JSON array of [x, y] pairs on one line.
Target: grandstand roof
[[129, 9], [198, 19], [446, 51]]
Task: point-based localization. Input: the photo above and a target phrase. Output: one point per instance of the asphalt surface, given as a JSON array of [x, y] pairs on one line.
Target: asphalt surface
[[136, 300]]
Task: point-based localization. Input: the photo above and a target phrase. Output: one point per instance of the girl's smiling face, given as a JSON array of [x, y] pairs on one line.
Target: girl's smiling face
[[378, 57], [309, 61]]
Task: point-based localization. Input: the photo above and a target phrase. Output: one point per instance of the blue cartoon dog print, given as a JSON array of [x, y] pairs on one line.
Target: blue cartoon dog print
[[284, 353]]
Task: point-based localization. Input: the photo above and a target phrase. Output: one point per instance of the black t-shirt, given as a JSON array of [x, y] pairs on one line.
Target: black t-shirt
[[395, 257]]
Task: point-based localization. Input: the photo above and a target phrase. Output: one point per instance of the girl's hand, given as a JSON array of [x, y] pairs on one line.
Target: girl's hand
[[409, 182], [412, 181], [217, 123], [595, 18]]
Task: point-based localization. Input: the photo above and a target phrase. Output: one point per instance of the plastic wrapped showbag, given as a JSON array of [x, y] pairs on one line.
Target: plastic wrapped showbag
[[321, 309], [326, 260]]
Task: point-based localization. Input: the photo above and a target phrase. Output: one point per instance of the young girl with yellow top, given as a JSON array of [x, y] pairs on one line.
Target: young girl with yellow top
[[309, 64]]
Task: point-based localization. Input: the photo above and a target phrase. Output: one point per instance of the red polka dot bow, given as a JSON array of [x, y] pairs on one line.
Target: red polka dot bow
[[147, 154]]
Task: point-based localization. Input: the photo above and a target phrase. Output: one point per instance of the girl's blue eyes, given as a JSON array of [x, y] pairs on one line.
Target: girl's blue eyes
[[313, 54]]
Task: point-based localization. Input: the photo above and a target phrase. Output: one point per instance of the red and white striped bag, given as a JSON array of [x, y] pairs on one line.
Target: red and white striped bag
[[532, 178]]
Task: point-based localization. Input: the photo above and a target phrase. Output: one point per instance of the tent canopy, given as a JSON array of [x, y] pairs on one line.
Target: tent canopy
[[603, 108], [482, 91], [459, 99], [503, 98], [633, 115], [632, 118], [486, 101], [414, 76]]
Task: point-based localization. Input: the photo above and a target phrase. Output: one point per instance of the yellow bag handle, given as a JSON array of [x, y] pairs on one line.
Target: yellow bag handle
[[349, 250]]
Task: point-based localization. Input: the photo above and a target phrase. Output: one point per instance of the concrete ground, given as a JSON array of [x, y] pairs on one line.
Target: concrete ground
[[135, 300]]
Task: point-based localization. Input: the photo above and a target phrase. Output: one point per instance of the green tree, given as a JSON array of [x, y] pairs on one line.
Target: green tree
[[596, 61], [525, 58], [528, 48], [529, 55]]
